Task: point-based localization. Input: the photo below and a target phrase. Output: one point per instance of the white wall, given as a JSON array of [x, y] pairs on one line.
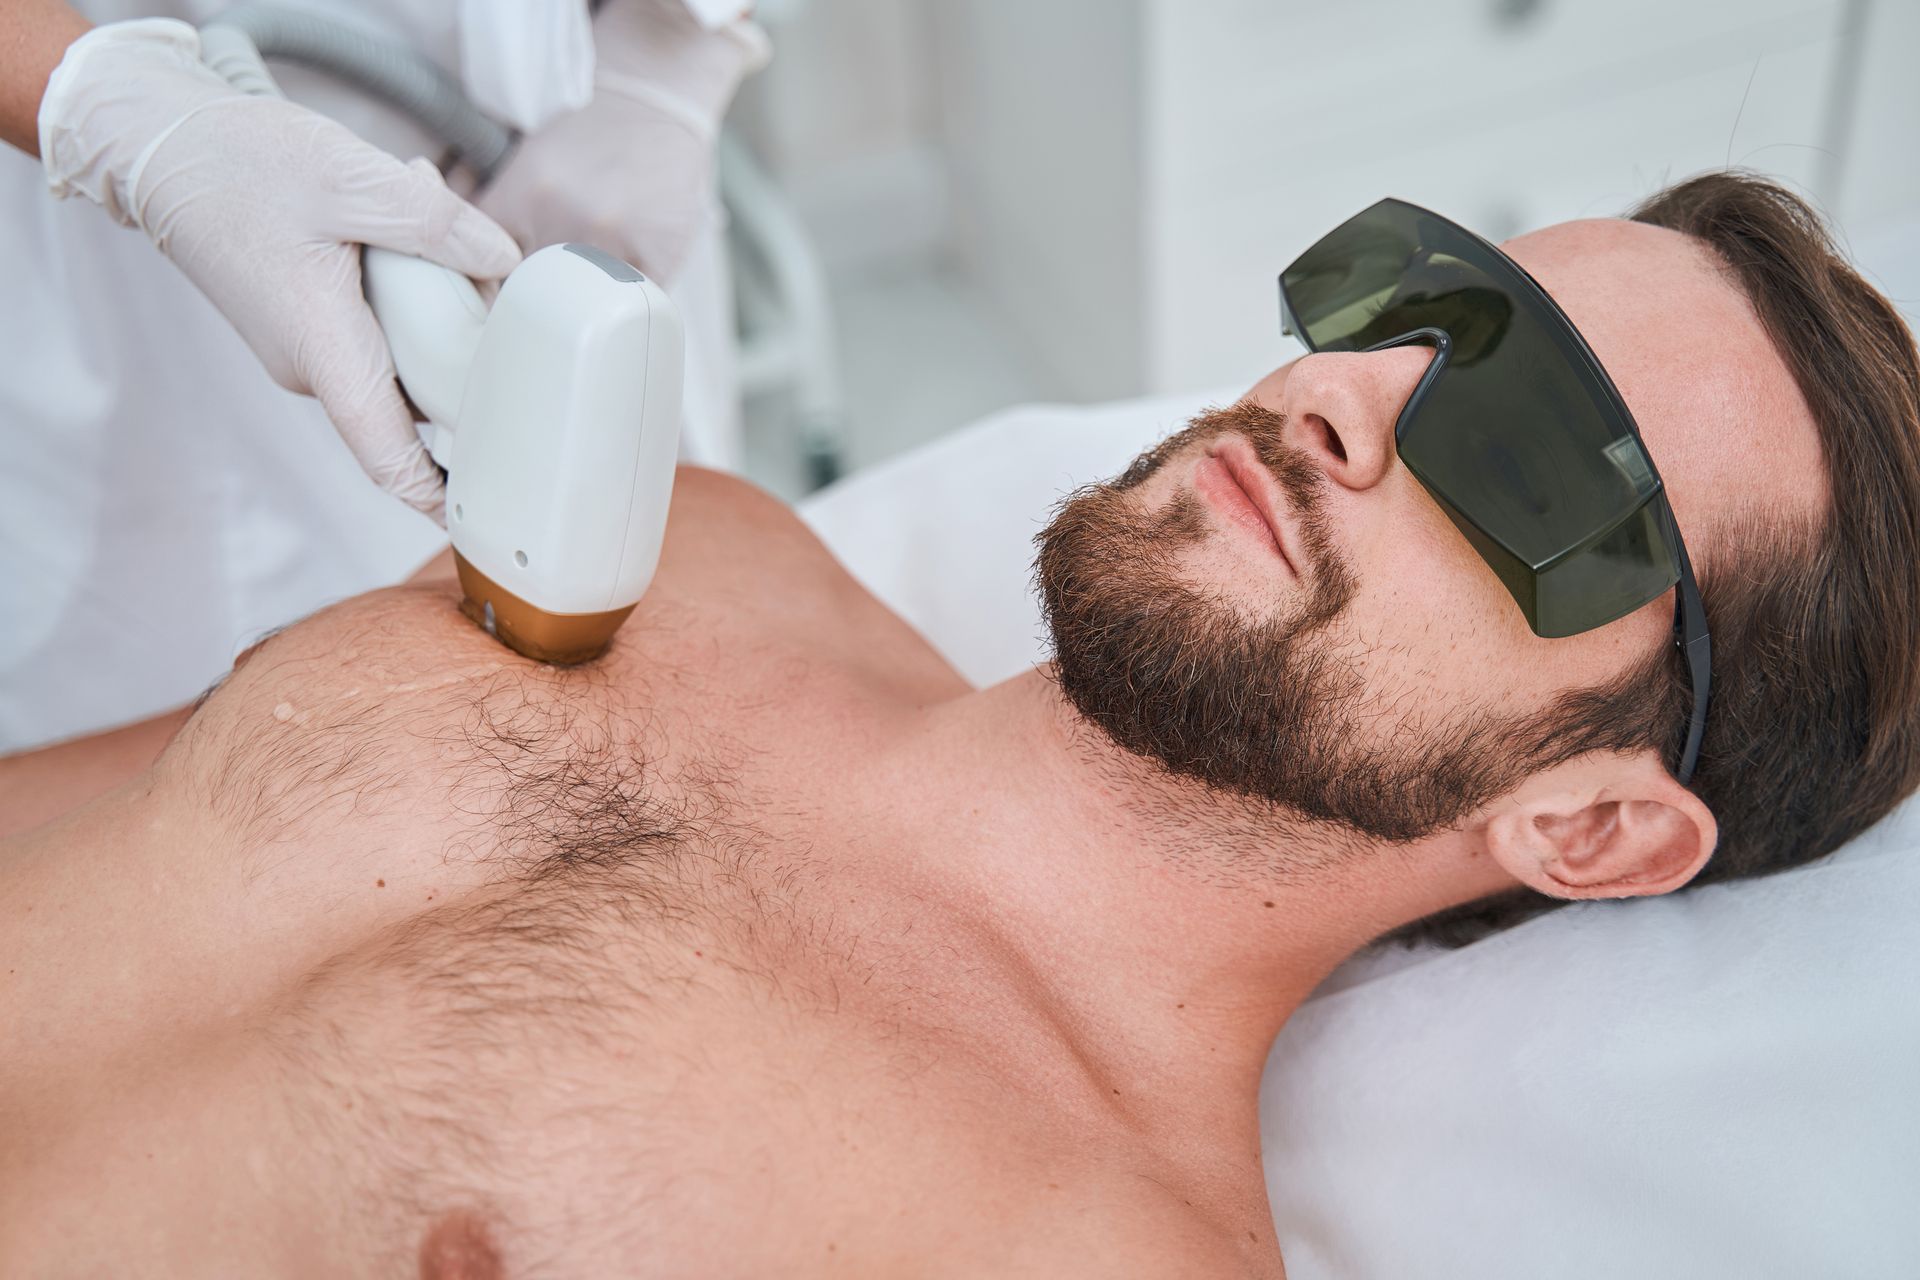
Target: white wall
[[1042, 123], [1880, 149], [843, 117], [1122, 179], [1275, 121]]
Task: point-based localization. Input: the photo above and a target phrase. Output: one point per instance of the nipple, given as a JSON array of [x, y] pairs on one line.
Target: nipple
[[458, 1247]]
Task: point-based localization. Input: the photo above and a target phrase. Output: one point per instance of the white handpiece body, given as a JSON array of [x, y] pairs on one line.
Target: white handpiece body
[[556, 413]]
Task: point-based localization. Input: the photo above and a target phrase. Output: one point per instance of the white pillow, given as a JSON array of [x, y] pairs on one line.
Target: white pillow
[[1723, 1083], [944, 534]]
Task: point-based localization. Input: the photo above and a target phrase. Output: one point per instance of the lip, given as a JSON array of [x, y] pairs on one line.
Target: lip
[[1262, 491]]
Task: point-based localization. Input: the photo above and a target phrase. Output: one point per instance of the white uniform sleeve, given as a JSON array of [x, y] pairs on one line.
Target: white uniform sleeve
[[715, 14], [524, 64]]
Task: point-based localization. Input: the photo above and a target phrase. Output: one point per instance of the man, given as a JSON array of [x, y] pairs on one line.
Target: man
[[766, 946]]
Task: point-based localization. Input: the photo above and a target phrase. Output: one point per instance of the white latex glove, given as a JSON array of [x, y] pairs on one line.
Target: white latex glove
[[632, 172], [264, 205]]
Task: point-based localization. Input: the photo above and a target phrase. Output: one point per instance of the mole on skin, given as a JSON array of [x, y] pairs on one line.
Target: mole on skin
[[457, 1247]]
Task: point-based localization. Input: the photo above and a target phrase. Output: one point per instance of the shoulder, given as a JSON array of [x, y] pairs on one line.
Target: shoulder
[[701, 488], [1158, 1237], [742, 559], [725, 532], [1098, 1230], [1080, 1201]]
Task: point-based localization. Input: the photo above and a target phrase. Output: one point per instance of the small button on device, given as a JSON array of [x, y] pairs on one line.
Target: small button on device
[[619, 270]]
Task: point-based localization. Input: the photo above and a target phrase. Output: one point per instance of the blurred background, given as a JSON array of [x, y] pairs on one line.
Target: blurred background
[[939, 208]]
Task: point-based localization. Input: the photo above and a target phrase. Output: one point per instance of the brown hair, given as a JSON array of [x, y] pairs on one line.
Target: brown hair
[[1814, 729]]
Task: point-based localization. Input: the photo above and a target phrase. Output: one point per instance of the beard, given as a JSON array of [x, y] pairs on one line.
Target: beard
[[1272, 707]]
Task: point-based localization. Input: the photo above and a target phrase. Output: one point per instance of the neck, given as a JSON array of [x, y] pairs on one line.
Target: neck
[[1169, 932]]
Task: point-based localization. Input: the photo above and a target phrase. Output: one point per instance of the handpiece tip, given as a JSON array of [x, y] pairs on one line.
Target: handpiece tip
[[563, 639]]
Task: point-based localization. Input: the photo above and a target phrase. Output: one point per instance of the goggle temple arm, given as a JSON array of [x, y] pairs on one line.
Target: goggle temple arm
[[1696, 646]]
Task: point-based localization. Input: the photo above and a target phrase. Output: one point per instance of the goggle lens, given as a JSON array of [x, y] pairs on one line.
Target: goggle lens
[[1519, 436]]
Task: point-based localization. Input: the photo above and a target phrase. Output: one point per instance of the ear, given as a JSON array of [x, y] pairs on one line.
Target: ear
[[1602, 826]]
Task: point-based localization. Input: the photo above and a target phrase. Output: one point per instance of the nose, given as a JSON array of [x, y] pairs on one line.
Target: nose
[[1341, 407]]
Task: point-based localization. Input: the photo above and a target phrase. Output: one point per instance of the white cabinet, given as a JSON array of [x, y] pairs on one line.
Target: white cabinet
[[1133, 242]]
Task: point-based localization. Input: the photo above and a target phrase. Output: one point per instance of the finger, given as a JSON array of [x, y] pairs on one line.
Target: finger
[[408, 207], [475, 245], [360, 394]]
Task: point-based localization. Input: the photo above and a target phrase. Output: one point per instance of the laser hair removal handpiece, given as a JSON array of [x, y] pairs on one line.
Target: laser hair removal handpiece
[[556, 414]]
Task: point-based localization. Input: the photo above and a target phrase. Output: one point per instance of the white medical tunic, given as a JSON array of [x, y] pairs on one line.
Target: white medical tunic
[[163, 503]]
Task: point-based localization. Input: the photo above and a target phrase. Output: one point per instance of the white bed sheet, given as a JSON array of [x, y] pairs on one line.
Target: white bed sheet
[[1724, 1083]]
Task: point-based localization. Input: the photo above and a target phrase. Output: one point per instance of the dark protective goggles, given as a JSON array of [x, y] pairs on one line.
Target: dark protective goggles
[[1515, 429]]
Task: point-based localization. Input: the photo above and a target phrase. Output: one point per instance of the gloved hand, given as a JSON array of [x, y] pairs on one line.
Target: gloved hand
[[264, 205], [632, 172]]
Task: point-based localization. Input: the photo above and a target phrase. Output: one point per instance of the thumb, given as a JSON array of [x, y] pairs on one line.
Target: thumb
[[409, 208], [362, 397]]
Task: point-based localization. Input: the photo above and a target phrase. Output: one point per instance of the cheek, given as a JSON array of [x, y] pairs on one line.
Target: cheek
[[1431, 610], [1270, 392], [1434, 624], [1468, 637], [1266, 392]]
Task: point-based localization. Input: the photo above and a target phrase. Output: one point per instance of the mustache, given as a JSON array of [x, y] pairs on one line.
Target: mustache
[[1302, 482], [1264, 428]]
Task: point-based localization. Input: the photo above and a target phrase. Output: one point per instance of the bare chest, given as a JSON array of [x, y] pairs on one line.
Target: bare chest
[[686, 1094], [657, 1040]]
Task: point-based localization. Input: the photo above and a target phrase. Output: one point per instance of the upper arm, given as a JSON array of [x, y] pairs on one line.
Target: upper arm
[[1112, 1225], [40, 785], [1143, 1244]]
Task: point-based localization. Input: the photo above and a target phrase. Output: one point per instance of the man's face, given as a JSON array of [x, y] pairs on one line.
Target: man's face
[[1365, 667]]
